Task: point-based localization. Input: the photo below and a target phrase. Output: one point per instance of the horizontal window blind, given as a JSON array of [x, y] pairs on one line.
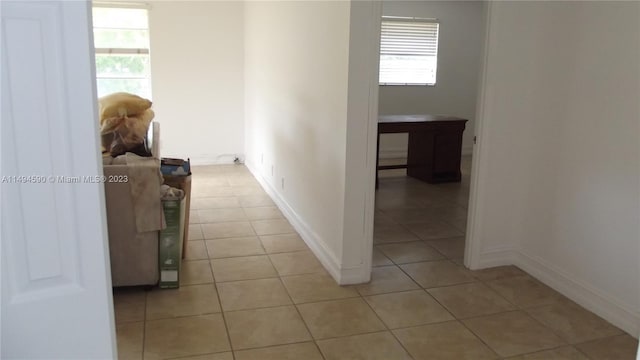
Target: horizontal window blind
[[408, 51]]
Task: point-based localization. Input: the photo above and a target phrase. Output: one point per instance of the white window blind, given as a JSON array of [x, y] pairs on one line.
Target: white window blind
[[408, 51], [121, 38]]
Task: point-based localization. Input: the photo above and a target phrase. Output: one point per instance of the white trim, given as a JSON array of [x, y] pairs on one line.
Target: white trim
[[310, 237], [210, 159], [472, 254], [494, 257], [582, 293]]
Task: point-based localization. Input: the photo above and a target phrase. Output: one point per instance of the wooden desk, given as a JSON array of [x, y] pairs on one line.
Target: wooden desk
[[435, 145]]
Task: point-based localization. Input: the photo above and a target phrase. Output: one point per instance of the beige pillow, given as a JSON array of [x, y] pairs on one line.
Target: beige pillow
[[121, 104]]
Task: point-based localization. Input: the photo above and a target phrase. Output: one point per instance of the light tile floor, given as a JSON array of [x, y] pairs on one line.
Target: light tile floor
[[252, 290]]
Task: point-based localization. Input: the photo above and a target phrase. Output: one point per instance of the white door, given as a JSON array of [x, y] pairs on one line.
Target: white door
[[56, 284]]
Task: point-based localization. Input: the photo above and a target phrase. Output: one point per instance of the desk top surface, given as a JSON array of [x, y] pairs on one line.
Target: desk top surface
[[416, 118]]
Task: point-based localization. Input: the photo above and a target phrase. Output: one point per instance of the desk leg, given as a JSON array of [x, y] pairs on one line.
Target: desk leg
[[377, 158]]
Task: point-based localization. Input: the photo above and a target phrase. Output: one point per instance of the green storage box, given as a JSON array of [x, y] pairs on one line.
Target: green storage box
[[170, 243]]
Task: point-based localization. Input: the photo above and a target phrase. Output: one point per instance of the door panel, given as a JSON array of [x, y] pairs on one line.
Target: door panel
[[56, 298]]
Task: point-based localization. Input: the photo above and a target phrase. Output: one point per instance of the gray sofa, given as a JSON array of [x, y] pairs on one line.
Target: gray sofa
[[130, 188]]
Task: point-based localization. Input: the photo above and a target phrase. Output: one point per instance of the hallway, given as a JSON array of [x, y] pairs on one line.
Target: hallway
[[251, 289]]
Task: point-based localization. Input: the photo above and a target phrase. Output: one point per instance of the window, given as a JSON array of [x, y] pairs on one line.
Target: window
[[121, 38], [408, 51]]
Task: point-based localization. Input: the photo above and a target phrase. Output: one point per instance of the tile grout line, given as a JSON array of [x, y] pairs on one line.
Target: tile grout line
[[215, 284], [295, 306], [385, 325]]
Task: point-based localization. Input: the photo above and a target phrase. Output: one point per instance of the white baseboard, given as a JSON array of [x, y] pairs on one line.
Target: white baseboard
[[582, 293], [210, 159], [494, 257], [590, 298], [311, 238]]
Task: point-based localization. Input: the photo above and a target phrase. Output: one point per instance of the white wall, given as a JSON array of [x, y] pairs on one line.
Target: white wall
[[197, 54], [297, 87], [455, 92], [558, 175]]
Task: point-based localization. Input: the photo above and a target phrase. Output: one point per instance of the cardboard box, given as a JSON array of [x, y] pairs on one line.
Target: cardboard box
[[170, 243], [175, 167], [183, 183]]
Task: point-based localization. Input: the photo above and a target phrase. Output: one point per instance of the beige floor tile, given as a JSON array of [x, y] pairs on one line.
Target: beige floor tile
[[263, 213], [283, 243], [392, 234], [296, 263], [252, 294], [129, 304], [300, 351], [272, 227], [255, 201], [221, 202], [410, 308], [513, 333], [525, 291], [184, 301], [196, 250], [206, 191], [265, 327], [561, 353], [195, 232], [573, 323], [218, 356], [221, 215], [621, 347], [248, 190], [381, 218], [380, 259], [459, 223], [243, 268], [130, 337], [375, 346], [434, 230], [443, 341], [339, 318], [386, 203], [233, 247], [409, 252], [195, 272], [437, 273], [227, 230], [194, 217], [498, 272], [468, 300], [185, 336], [227, 355], [409, 215], [316, 287], [450, 247], [243, 180], [386, 279], [209, 181]]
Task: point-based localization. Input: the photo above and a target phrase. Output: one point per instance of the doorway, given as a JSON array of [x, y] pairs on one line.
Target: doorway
[[416, 221]]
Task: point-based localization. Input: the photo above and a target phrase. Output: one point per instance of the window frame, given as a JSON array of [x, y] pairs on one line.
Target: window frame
[[125, 51], [435, 50]]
